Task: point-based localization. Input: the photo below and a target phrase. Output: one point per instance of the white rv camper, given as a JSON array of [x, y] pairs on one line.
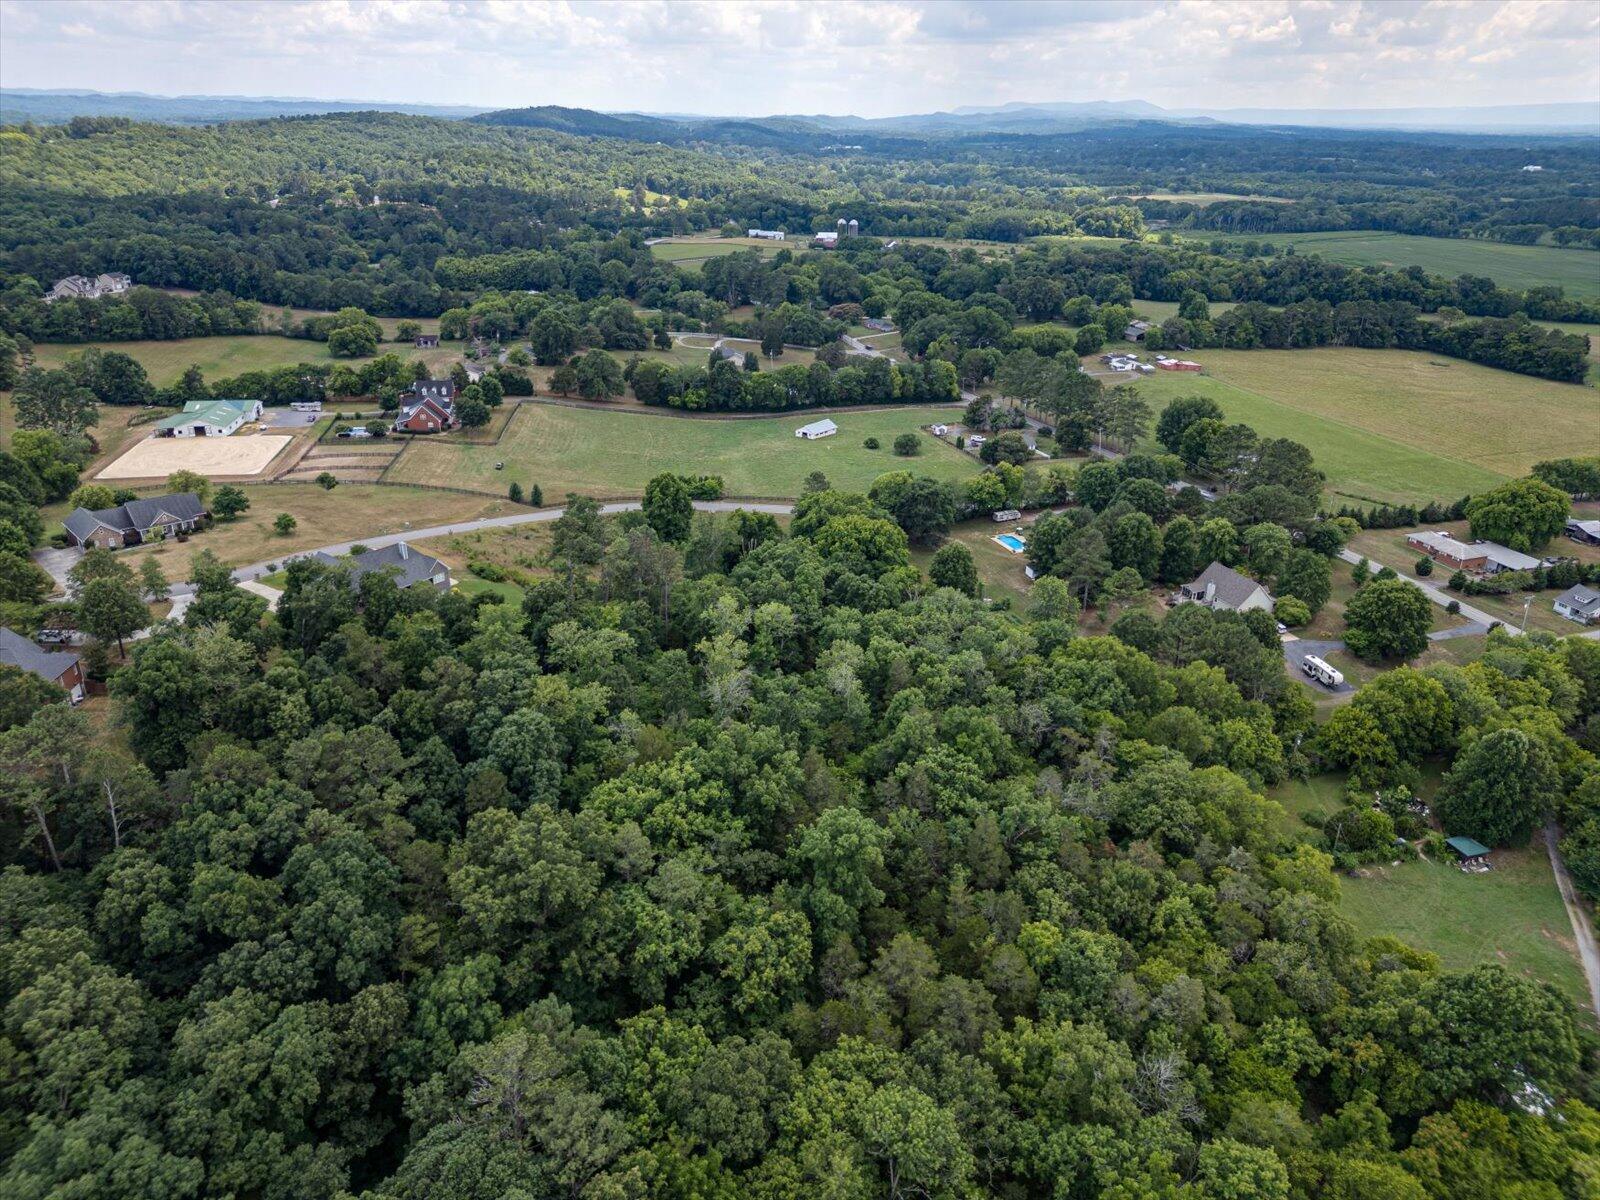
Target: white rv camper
[[1321, 671]]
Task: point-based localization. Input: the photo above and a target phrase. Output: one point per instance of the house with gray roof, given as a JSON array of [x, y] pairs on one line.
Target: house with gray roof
[[1223, 587], [409, 567], [62, 669], [1580, 603], [136, 521]]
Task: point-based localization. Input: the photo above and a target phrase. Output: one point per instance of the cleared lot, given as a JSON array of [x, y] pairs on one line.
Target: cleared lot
[[156, 458]]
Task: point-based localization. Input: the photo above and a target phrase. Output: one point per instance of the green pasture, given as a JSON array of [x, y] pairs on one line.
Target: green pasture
[[1392, 425], [1516, 267], [224, 357], [614, 453]]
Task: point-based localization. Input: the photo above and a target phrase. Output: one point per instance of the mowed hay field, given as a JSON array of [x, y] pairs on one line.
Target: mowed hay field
[[1393, 425], [689, 253], [604, 453], [1515, 267], [225, 357]]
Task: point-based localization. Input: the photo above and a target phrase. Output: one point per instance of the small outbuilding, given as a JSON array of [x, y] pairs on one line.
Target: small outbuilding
[[817, 429], [427, 341], [1467, 850], [1585, 532]]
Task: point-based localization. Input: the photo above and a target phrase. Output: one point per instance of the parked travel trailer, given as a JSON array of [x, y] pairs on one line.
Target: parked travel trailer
[[1321, 671]]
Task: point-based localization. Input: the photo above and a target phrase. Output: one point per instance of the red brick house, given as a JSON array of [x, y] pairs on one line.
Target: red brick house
[[429, 407]]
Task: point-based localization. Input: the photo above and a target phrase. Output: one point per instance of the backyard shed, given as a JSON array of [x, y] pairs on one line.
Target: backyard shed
[[1467, 850]]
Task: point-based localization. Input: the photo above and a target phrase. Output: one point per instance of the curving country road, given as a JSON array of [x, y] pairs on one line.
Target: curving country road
[[257, 570]]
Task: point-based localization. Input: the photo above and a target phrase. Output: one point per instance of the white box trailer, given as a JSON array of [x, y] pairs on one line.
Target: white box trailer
[[1324, 674]]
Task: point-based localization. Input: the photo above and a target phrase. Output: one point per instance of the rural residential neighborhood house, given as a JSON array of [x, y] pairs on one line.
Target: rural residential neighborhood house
[[134, 522], [1485, 558], [58, 668], [409, 567], [81, 287], [209, 418], [429, 406], [1223, 587], [817, 429], [1579, 603]]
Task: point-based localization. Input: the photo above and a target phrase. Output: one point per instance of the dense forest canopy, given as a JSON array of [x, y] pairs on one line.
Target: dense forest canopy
[[736, 863]]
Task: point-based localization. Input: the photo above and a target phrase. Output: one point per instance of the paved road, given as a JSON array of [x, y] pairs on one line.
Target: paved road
[[1588, 953], [377, 542], [1437, 594]]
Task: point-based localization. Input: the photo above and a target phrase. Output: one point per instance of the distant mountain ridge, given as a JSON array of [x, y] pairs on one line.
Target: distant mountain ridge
[[53, 106], [1020, 118]]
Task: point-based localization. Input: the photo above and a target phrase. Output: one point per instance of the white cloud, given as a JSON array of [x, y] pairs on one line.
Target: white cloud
[[770, 56]]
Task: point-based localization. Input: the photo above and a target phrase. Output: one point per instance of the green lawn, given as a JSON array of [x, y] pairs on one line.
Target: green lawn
[[224, 357], [614, 453], [1000, 572], [1392, 425], [1511, 915], [1515, 267]]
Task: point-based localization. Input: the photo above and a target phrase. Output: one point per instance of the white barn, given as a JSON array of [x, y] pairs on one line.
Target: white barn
[[817, 429], [209, 418]]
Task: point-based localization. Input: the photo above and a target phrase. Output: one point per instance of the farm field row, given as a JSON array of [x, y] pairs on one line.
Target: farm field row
[[1516, 267], [616, 453], [1392, 425]]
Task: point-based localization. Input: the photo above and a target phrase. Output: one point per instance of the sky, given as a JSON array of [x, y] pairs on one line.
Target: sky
[[871, 58]]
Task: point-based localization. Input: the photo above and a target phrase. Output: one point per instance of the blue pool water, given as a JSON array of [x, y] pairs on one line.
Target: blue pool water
[[1011, 542]]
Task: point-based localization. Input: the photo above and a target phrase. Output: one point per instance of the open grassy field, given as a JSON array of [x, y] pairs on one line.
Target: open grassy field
[[1209, 197], [351, 510], [1161, 310], [690, 252], [1392, 425], [224, 357], [1515, 267], [1512, 915], [606, 453]]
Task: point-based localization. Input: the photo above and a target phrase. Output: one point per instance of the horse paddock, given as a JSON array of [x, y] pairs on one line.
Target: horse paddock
[[156, 458]]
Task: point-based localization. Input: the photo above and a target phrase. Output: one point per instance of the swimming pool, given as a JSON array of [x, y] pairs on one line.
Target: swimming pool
[[1011, 542]]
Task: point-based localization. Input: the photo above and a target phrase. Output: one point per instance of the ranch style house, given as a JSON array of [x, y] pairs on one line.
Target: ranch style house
[[136, 521]]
